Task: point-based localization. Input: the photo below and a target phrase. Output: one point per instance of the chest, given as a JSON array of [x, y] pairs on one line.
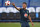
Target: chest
[[24, 11]]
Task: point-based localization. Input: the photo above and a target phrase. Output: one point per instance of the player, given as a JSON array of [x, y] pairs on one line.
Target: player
[[24, 15]]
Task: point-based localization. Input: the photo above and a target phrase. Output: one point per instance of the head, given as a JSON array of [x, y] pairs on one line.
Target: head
[[24, 4]]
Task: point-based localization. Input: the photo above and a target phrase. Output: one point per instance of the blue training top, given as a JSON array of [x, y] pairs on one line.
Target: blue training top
[[24, 15]]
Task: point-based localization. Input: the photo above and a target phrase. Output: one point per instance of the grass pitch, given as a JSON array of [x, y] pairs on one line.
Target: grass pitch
[[17, 24]]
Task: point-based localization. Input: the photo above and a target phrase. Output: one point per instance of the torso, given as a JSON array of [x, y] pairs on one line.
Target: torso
[[23, 12]]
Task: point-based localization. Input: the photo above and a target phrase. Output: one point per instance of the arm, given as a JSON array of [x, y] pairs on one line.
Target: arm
[[15, 6], [30, 20]]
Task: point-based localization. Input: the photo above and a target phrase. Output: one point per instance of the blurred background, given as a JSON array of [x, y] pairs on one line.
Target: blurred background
[[10, 14]]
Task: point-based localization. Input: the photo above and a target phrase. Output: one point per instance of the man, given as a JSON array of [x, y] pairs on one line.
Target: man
[[24, 15]]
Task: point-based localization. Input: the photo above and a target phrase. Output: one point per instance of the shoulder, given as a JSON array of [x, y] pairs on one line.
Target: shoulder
[[21, 8], [27, 10]]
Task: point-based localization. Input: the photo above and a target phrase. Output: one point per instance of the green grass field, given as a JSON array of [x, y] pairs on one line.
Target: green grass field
[[17, 24]]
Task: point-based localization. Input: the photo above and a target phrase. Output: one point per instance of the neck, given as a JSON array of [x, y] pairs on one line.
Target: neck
[[24, 8]]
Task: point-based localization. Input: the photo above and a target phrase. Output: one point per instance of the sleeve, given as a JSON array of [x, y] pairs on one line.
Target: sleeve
[[28, 13], [20, 9]]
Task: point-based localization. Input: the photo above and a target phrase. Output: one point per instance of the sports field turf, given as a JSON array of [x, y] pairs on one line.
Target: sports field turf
[[17, 25]]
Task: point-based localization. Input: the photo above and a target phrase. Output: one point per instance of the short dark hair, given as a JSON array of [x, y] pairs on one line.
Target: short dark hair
[[24, 3]]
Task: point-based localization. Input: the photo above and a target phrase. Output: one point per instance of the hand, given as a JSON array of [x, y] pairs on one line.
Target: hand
[[32, 24], [13, 4]]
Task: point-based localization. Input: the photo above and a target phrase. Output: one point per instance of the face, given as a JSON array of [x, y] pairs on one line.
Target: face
[[24, 5]]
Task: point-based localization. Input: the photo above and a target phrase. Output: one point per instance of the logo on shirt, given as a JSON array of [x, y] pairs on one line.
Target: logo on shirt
[[25, 15]]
